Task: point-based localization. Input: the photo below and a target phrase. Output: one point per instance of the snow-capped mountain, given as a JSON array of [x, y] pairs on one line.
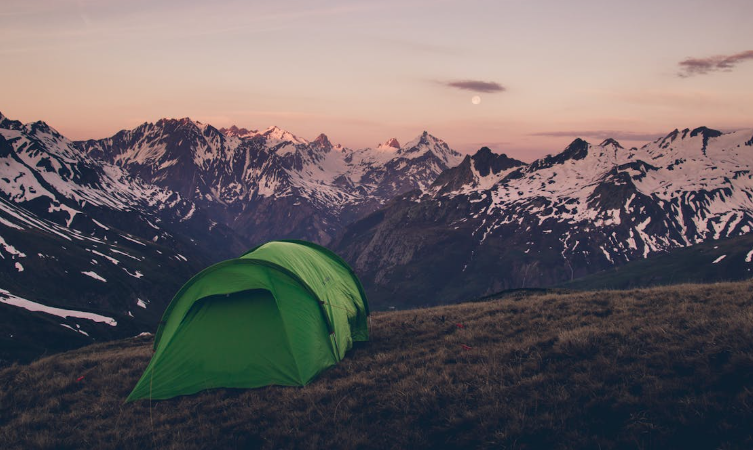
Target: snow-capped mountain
[[97, 236], [493, 223], [272, 184], [81, 239]]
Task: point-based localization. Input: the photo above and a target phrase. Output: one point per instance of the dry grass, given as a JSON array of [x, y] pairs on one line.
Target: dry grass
[[656, 368]]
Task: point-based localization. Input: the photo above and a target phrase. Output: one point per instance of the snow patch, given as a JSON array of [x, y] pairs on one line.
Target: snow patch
[[124, 254], [10, 299], [11, 250], [100, 225], [94, 275], [190, 213], [133, 240], [608, 256], [10, 224], [137, 273], [77, 330], [109, 258], [719, 259]]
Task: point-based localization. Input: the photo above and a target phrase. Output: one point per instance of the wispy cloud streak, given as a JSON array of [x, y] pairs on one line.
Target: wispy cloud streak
[[601, 134], [485, 87], [702, 66]]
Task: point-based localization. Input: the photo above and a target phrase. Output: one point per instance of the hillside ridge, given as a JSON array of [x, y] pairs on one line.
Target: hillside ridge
[[647, 368]]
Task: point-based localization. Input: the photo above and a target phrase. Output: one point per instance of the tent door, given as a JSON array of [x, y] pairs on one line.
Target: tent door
[[236, 340]]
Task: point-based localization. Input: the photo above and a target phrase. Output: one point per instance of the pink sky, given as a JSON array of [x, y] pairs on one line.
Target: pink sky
[[546, 71]]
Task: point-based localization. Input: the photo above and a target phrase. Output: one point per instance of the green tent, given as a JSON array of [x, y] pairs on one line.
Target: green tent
[[280, 314]]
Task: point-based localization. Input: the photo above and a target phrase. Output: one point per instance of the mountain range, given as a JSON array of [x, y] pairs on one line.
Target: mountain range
[[271, 184], [493, 223], [96, 236]]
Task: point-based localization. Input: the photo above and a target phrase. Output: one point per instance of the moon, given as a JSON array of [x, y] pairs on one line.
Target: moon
[[475, 99]]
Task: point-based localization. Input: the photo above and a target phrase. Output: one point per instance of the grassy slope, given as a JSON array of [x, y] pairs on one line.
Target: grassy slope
[[694, 264], [667, 367]]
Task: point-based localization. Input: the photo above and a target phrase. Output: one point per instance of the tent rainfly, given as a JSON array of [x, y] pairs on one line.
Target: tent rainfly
[[280, 314]]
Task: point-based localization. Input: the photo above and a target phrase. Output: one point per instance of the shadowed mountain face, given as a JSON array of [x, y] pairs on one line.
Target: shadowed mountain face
[[272, 184], [589, 208], [88, 252]]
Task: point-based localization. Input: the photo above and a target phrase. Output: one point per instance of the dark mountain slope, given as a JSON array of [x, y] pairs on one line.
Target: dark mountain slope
[[587, 209]]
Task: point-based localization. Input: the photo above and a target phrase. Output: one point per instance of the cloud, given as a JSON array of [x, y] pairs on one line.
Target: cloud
[[702, 66], [486, 87], [602, 134]]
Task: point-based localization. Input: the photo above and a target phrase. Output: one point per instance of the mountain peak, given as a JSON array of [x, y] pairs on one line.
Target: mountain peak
[[610, 141], [177, 122], [278, 134], [486, 161], [426, 143], [483, 152], [9, 123], [668, 139], [705, 132], [322, 141], [237, 132], [42, 126], [421, 140], [578, 149], [426, 137], [391, 142]]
